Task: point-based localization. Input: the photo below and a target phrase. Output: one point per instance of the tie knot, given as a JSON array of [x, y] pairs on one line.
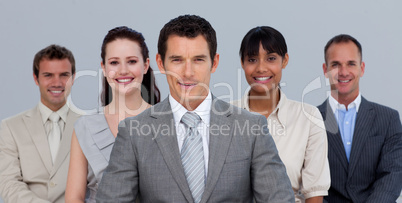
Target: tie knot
[[191, 119], [54, 117]]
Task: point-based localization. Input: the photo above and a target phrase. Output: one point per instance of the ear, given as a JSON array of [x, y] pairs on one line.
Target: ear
[[103, 69], [324, 69], [215, 63], [363, 67], [159, 62], [285, 61], [36, 79], [146, 66]]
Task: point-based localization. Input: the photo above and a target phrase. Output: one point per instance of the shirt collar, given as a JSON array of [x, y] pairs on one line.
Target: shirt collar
[[45, 112], [280, 109], [203, 110], [336, 105]]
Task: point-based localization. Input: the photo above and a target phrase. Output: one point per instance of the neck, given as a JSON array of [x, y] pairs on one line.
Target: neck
[[54, 107], [264, 103], [344, 99], [124, 106]]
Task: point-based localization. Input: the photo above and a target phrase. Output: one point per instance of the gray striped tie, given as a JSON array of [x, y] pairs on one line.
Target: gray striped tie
[[192, 156]]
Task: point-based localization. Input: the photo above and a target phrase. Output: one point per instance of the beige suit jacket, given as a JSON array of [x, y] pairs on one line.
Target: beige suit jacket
[[26, 170]]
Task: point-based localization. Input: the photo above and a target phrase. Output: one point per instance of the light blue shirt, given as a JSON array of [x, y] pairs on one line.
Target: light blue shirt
[[346, 119]]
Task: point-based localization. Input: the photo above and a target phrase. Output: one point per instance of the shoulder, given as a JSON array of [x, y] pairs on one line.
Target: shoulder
[[297, 114], [18, 117], [143, 116], [380, 110], [241, 115], [300, 106], [323, 105], [89, 119], [90, 124]]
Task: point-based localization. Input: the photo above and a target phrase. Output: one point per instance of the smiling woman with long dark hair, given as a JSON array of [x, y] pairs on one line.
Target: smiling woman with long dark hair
[[128, 89]]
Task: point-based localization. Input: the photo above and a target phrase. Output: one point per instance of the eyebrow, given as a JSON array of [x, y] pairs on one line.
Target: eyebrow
[[200, 56], [49, 73], [116, 58], [174, 57], [112, 58], [132, 57], [348, 62]]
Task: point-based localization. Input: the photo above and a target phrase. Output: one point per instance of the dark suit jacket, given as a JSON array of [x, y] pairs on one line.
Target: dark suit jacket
[[145, 160], [374, 171]]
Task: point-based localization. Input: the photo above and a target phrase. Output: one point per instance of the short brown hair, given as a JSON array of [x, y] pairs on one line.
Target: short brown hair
[[53, 52], [189, 26]]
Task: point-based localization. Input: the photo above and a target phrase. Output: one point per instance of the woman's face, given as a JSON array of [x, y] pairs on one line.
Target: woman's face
[[124, 66], [264, 71]]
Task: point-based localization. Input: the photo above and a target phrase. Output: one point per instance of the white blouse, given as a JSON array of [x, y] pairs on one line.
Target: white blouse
[[300, 137]]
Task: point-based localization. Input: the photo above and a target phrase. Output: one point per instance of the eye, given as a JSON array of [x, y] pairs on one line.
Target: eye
[[199, 59], [334, 65], [65, 74], [176, 60], [252, 60], [271, 58], [352, 64], [113, 62], [132, 61]]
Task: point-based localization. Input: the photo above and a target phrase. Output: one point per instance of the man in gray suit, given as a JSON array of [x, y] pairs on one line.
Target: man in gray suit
[[233, 157], [34, 149], [364, 138]]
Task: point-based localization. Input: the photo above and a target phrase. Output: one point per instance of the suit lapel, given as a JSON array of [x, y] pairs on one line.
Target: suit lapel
[[333, 134], [169, 148], [34, 124], [65, 143], [218, 144], [364, 120]]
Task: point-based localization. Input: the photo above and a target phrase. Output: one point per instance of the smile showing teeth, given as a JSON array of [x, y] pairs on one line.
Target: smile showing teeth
[[123, 80], [262, 78], [56, 91], [343, 80]]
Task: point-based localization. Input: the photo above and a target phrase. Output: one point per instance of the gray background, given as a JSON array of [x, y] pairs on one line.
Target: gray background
[[28, 26]]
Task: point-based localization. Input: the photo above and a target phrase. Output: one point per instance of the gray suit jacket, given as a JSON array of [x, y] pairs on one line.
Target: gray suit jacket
[[26, 170], [243, 160], [374, 171]]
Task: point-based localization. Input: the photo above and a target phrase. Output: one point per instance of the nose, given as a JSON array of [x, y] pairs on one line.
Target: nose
[[123, 69], [261, 68], [188, 69], [343, 70], [57, 81]]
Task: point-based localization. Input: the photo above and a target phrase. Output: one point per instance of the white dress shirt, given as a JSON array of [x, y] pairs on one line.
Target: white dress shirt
[[336, 105], [204, 111], [45, 112]]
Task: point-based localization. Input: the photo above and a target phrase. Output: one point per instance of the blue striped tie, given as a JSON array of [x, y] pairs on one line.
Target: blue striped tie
[[192, 156]]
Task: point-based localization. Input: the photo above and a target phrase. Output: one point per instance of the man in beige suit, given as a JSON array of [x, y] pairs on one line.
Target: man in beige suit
[[35, 145]]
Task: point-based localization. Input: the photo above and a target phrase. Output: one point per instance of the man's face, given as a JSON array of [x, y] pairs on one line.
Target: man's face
[[188, 67], [54, 80], [344, 69]]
